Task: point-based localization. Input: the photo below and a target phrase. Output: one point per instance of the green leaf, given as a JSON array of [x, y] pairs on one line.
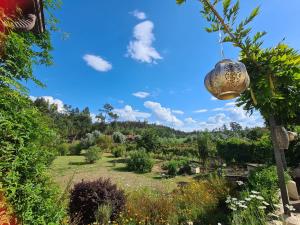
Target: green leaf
[[226, 4], [253, 14], [180, 1]]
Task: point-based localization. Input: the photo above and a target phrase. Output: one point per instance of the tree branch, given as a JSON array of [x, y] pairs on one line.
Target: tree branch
[[225, 26]]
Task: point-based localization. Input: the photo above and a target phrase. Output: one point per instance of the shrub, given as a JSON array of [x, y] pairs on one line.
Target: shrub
[[248, 210], [88, 197], [92, 154], [119, 151], [27, 145], [176, 167], [105, 142], [118, 137], [265, 181], [147, 207], [199, 197], [63, 149], [75, 148], [90, 139], [140, 161]]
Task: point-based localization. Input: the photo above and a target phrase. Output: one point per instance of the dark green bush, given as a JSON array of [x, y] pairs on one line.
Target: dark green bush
[[87, 197], [140, 162], [119, 151], [92, 154], [176, 167], [75, 148], [118, 137], [244, 151]]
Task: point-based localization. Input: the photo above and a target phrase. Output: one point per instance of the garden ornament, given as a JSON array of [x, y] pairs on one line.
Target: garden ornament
[[227, 80]]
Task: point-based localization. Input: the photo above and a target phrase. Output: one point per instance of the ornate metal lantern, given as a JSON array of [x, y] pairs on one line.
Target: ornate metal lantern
[[22, 15], [227, 80]]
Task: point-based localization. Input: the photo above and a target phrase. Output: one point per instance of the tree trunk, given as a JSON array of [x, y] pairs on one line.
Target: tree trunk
[[282, 152], [280, 167]]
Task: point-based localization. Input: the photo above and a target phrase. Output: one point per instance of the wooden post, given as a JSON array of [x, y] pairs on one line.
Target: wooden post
[[279, 166]]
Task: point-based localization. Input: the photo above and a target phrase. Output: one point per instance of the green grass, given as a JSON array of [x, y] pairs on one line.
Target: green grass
[[73, 169]]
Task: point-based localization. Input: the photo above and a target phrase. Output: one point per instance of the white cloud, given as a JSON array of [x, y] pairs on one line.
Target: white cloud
[[141, 48], [213, 98], [97, 63], [128, 113], [200, 111], [230, 104], [52, 101], [179, 112], [219, 109], [164, 114], [139, 14], [141, 94], [190, 120]]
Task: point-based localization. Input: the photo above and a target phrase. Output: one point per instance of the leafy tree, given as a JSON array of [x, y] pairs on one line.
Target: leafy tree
[[274, 72], [205, 147], [236, 127], [149, 141], [107, 113]]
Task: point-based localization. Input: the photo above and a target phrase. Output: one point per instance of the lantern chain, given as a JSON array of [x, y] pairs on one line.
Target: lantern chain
[[221, 43]]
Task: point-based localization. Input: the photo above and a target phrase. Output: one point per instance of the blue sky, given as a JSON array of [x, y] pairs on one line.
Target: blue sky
[[148, 58]]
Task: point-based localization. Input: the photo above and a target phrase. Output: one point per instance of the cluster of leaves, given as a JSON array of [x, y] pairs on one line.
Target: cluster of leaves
[[18, 55], [87, 197], [27, 146]]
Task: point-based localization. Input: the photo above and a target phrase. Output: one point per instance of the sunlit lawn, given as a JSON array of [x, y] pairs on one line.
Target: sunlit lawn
[[66, 169]]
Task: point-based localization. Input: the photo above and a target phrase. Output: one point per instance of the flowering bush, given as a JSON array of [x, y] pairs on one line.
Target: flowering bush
[[249, 210], [146, 207], [197, 198]]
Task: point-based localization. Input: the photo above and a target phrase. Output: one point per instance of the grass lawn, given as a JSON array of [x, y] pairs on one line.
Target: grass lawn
[[73, 168]]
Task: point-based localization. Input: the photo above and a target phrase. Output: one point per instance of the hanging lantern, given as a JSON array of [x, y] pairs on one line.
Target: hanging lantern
[[22, 16], [227, 80]]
